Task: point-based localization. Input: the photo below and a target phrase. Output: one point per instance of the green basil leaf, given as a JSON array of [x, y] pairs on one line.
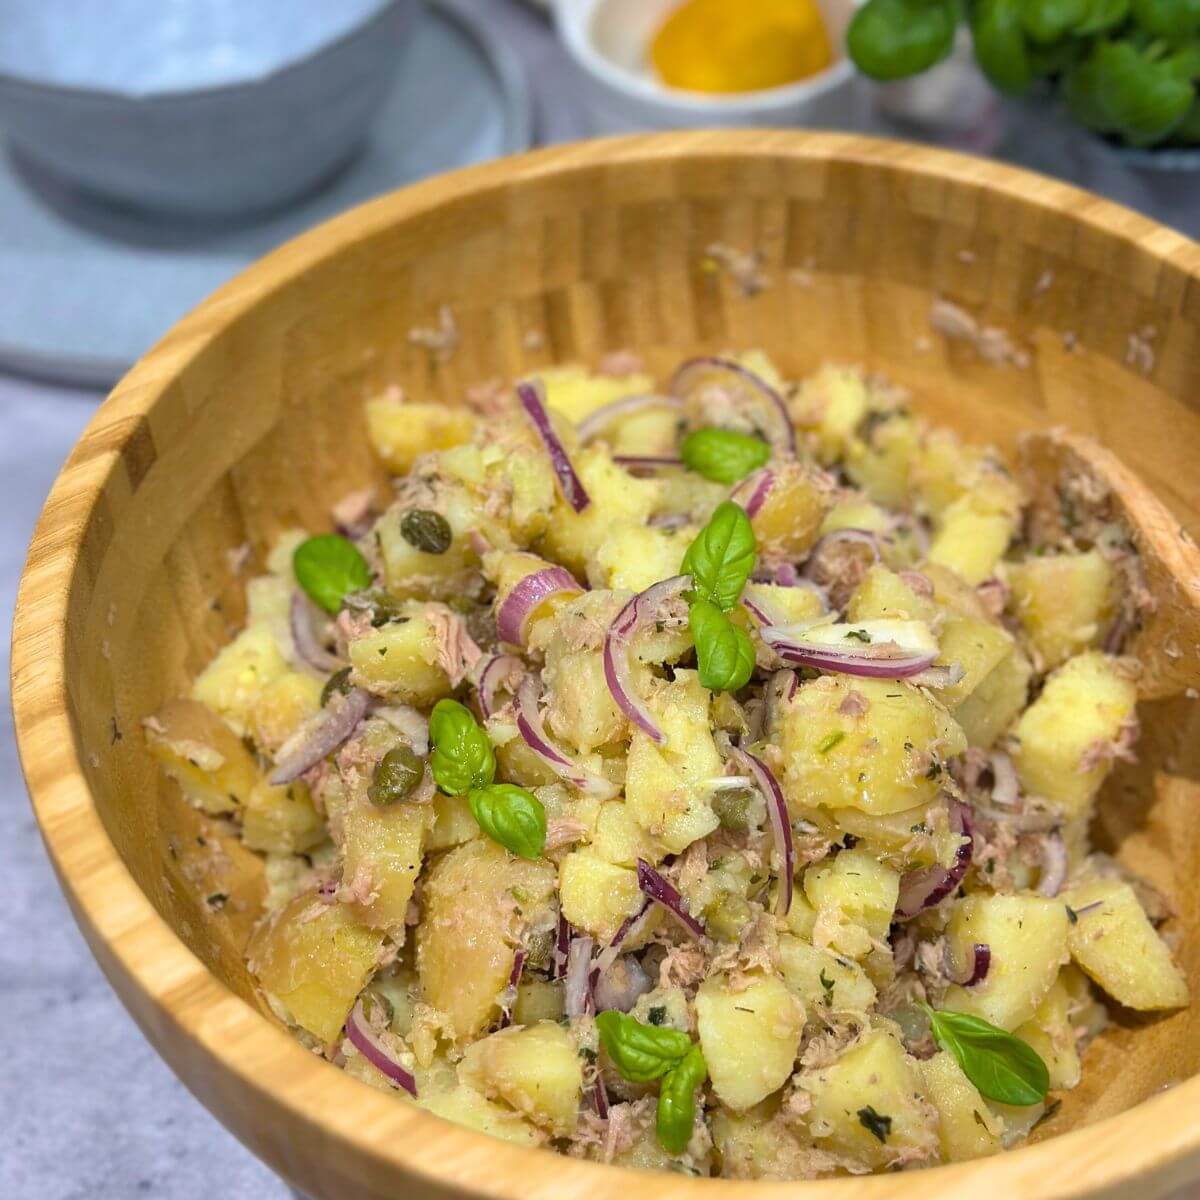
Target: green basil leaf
[[1102, 15], [462, 756], [724, 652], [1003, 1068], [1168, 18], [327, 567], [1000, 48], [722, 556], [511, 816], [1046, 21], [676, 1115], [722, 455], [641, 1053], [893, 39]]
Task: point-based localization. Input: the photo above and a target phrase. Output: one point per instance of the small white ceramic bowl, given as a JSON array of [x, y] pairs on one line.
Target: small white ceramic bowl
[[198, 107], [608, 40]]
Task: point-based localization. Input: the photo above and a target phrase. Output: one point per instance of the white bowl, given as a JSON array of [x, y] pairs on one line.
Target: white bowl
[[608, 40]]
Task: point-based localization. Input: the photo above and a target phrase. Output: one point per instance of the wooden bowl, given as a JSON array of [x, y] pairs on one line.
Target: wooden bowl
[[246, 419]]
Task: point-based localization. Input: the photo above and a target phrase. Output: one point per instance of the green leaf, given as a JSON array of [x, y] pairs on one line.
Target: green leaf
[[511, 816], [641, 1053], [722, 556], [893, 39], [722, 455], [327, 567], [462, 756], [1003, 1068], [1143, 99], [1045, 21], [1168, 18], [1000, 48], [1102, 15], [676, 1116], [724, 652]]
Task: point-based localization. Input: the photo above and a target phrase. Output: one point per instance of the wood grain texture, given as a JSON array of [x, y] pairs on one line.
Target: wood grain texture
[[247, 419]]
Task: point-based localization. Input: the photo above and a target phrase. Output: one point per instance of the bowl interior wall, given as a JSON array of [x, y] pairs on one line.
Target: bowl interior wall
[[261, 430]]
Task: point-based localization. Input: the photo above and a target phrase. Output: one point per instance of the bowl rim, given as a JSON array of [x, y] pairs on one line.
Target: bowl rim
[[572, 20], [93, 94], [248, 1070]]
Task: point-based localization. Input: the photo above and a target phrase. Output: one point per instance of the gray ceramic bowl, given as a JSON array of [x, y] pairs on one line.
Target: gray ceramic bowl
[[198, 107]]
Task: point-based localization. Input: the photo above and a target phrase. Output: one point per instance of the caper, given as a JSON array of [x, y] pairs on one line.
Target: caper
[[727, 917], [426, 530], [733, 810], [396, 776], [339, 681], [538, 947]]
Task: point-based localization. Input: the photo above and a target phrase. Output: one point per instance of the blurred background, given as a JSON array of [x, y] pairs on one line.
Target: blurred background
[[151, 149]]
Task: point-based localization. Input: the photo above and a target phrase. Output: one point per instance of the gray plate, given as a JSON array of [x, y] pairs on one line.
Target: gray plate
[[88, 288]]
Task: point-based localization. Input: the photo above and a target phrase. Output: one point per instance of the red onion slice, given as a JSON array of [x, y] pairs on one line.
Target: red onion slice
[[529, 726], [508, 998], [599, 1098], [656, 887], [308, 648], [752, 492], [531, 394], [781, 822], [630, 927], [319, 737], [512, 617], [1054, 865], [981, 962], [928, 886], [1006, 787], [501, 670], [624, 627], [365, 1040], [746, 389], [878, 660], [577, 988], [601, 418], [621, 985]]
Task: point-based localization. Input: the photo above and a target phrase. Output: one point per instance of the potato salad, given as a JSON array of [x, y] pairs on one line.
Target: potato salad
[[690, 773]]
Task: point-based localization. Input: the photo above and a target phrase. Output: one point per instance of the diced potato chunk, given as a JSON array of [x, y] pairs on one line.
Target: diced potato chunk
[[400, 660], [824, 981], [966, 1126], [232, 683], [281, 820], [201, 752], [1064, 738], [943, 469], [453, 823], [580, 709], [855, 896], [1064, 601], [749, 1037], [314, 959], [465, 1106], [1028, 939], [1119, 948], [535, 1069], [633, 557], [993, 706], [789, 519], [881, 463], [383, 850], [667, 788], [883, 594], [476, 900], [538, 1000], [575, 391], [282, 707], [833, 402], [617, 498], [873, 1079], [974, 531], [596, 895], [619, 839], [1050, 1033], [884, 760], [785, 605], [401, 432], [978, 647]]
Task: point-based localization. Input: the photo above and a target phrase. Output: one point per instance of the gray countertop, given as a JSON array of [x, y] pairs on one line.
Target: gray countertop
[[90, 1110]]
